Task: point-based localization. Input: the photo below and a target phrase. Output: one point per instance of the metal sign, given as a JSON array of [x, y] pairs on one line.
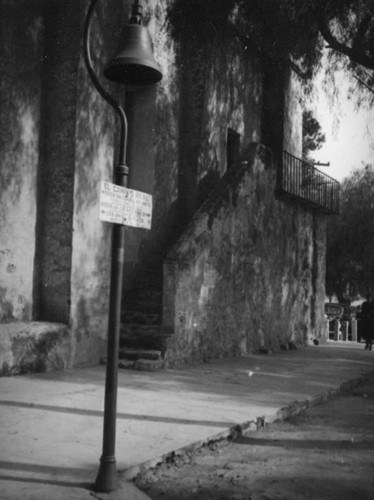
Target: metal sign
[[333, 309], [128, 207]]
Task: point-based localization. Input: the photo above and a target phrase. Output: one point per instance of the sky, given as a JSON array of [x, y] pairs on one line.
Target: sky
[[349, 131]]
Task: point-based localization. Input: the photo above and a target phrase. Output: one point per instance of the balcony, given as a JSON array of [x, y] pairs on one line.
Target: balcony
[[299, 180]]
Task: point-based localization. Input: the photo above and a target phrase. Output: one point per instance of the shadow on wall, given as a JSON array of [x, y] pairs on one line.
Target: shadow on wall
[[206, 185]]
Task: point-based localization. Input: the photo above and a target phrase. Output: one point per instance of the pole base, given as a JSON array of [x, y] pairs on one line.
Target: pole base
[[106, 480]]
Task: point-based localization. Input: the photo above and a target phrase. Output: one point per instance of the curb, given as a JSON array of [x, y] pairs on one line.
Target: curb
[[297, 407], [291, 410]]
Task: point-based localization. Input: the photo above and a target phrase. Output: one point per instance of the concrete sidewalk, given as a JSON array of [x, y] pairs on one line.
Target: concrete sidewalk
[[51, 423]]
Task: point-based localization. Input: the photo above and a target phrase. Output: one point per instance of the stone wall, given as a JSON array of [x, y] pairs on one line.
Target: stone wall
[[58, 142], [56, 146], [242, 276], [319, 268], [56, 161], [204, 92], [33, 347], [219, 88], [96, 128], [19, 146]]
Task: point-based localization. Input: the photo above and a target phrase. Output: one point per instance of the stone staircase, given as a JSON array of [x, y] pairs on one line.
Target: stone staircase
[[143, 339]]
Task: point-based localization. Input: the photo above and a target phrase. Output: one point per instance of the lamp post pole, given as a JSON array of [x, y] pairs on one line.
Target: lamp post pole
[[133, 65]]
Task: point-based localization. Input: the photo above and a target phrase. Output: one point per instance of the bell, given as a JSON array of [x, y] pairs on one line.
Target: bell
[[134, 64]]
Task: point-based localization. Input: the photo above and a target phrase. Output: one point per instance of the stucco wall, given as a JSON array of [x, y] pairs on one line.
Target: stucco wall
[[166, 145], [58, 142], [19, 141], [204, 91], [220, 87], [33, 347], [319, 266], [96, 127], [61, 42], [233, 99], [240, 278], [54, 251]]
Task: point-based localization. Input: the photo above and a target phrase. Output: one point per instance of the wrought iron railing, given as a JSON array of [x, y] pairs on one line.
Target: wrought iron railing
[[300, 180]]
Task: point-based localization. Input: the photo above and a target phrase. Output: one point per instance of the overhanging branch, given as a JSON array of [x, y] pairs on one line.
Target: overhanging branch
[[357, 56], [305, 75], [364, 84]]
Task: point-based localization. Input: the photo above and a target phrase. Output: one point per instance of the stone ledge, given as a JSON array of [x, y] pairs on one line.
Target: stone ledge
[[33, 347]]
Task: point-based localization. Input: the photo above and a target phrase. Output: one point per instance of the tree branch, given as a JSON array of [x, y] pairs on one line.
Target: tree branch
[[305, 75], [364, 84], [357, 56]]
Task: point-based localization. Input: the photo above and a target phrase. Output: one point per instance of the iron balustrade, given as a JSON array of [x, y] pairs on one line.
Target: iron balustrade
[[300, 180]]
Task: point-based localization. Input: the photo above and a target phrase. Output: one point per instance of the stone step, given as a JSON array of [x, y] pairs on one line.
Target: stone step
[[141, 283], [144, 292], [143, 306], [146, 288], [154, 273], [133, 329], [135, 354], [145, 337], [141, 364], [140, 318], [148, 365], [144, 343]]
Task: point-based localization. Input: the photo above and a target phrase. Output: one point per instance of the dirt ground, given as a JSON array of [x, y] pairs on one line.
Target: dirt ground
[[324, 453]]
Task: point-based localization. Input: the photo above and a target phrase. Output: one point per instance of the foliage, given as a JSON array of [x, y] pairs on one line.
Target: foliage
[[313, 138], [350, 238], [292, 31]]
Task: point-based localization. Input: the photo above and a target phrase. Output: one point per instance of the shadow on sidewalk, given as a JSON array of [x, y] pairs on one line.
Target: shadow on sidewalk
[[44, 471]]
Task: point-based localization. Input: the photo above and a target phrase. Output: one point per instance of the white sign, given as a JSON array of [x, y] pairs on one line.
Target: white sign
[[125, 206]]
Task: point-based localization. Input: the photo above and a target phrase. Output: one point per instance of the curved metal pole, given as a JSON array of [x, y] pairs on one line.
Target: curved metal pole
[[104, 94], [106, 479]]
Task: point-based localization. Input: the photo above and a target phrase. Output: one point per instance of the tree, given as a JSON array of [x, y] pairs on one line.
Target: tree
[[292, 31], [313, 138], [350, 238]]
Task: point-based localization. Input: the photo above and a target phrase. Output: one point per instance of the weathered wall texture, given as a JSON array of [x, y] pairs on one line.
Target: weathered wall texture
[[319, 278], [91, 242], [58, 142], [153, 145], [56, 160], [56, 146], [204, 91], [233, 99], [33, 347], [19, 136], [152, 114], [241, 277], [166, 118], [219, 88]]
